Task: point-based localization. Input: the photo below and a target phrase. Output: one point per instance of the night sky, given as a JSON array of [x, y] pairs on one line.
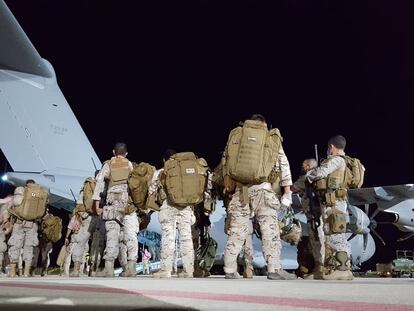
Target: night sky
[[181, 75]]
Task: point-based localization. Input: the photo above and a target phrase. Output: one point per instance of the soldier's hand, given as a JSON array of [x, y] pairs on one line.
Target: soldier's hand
[[66, 242], [99, 211]]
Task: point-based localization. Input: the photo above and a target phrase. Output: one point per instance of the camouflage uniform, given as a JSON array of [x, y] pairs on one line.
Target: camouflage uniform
[[80, 236], [262, 204], [128, 247], [336, 242], [116, 201], [171, 218], [44, 249], [24, 235], [98, 243], [316, 238], [4, 217]]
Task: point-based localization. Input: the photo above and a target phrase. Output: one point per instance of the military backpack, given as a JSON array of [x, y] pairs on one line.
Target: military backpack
[[33, 206], [185, 179], [139, 182], [252, 152], [52, 228]]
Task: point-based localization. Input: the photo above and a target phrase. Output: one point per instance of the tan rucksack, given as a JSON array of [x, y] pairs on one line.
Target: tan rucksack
[[139, 182], [88, 188], [52, 228], [118, 171], [33, 206], [252, 152], [184, 179], [354, 174]]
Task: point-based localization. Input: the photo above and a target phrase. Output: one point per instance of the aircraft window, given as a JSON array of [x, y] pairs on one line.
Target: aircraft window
[[54, 105]]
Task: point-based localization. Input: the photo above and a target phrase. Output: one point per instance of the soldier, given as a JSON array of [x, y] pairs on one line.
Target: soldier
[[81, 225], [328, 182], [5, 228], [97, 246], [24, 235], [252, 152], [116, 172], [311, 251], [184, 188]]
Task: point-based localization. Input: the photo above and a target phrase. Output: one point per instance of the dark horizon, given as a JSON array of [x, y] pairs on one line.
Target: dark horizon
[[163, 75]]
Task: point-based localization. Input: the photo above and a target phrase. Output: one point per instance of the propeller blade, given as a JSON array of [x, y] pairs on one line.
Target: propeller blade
[[352, 236], [365, 236], [375, 213], [406, 237], [366, 209], [378, 236]]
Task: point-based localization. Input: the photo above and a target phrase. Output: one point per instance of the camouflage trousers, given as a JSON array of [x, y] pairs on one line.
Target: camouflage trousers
[[44, 249], [172, 218], [247, 250], [128, 246], [336, 242], [116, 202], [98, 242], [262, 204], [79, 240], [24, 236], [3, 247]]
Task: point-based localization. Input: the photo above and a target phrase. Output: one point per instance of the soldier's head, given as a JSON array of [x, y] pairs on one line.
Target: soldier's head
[[120, 149], [308, 165], [258, 117], [336, 145], [168, 154], [30, 182]]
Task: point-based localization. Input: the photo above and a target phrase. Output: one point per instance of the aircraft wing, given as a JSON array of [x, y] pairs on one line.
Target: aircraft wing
[[385, 196]]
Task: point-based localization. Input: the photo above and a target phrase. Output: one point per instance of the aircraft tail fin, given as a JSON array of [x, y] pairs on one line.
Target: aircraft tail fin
[[17, 53]]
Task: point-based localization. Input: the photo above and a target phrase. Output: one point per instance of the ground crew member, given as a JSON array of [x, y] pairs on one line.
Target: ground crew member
[[328, 182], [258, 200], [115, 172], [24, 235]]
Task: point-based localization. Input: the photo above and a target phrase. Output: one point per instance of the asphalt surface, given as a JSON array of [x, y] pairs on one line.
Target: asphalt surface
[[214, 293]]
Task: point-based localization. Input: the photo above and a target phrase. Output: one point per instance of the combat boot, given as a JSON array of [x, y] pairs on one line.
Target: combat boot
[[44, 272], [248, 273], [232, 276], [27, 267], [341, 270], [76, 269], [162, 274], [125, 271], [108, 272], [12, 270], [317, 273], [20, 271], [281, 275], [131, 269]]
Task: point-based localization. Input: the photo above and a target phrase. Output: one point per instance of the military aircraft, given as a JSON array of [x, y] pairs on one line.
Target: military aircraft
[[45, 131]]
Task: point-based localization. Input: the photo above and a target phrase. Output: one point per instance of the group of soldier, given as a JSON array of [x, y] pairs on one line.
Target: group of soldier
[[254, 181]]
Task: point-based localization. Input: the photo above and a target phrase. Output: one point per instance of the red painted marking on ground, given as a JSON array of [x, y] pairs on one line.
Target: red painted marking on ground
[[265, 300]]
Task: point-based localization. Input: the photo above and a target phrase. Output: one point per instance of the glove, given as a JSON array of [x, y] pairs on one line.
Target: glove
[[286, 199]]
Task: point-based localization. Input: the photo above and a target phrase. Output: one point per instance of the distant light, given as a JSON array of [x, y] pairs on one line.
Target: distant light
[[4, 177]]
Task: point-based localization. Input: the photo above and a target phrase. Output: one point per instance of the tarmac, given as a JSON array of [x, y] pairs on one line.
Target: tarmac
[[213, 293]]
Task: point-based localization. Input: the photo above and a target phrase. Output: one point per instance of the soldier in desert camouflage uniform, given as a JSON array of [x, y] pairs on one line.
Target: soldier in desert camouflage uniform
[[116, 172], [261, 202]]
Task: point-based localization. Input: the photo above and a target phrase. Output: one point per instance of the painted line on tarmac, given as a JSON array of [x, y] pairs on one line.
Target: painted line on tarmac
[[253, 299]]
